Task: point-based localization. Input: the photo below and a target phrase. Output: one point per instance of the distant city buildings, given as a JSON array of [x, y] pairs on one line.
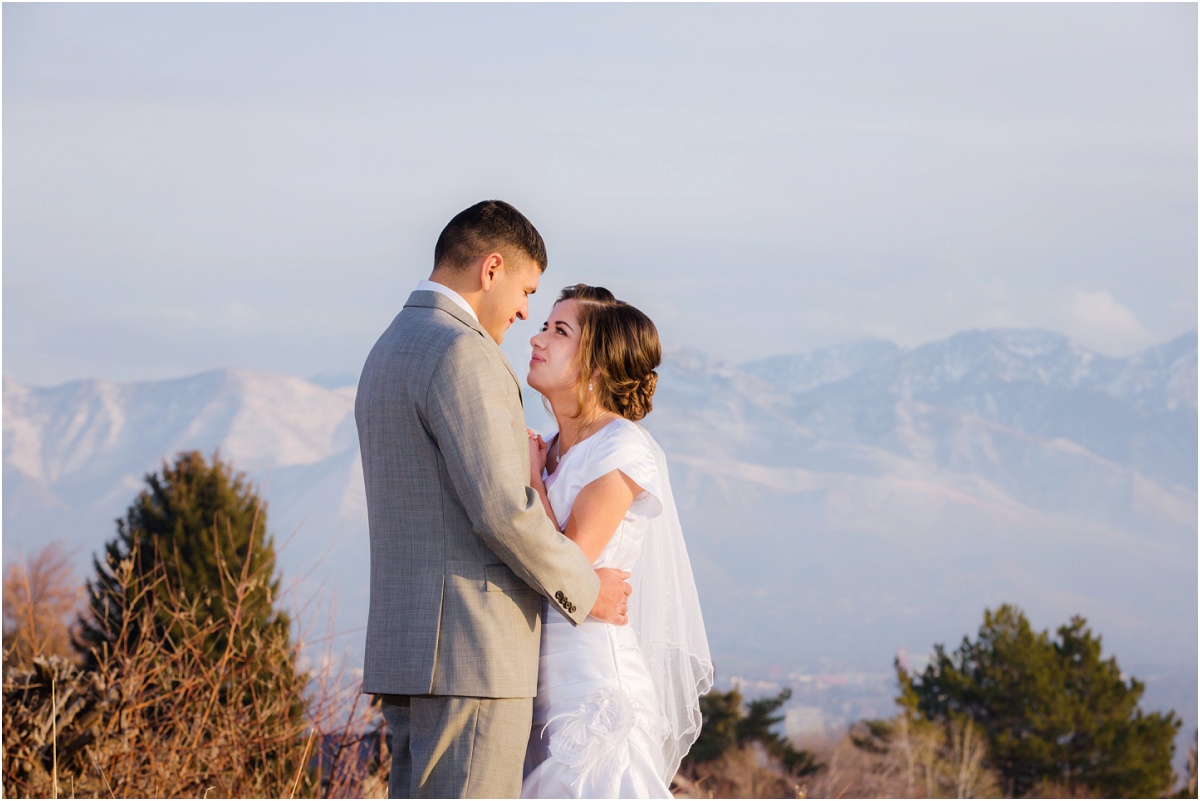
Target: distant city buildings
[[824, 704]]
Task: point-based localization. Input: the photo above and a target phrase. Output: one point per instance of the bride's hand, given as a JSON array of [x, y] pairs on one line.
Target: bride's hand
[[537, 458]]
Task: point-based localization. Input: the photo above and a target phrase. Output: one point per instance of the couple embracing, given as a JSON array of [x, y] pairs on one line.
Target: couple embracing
[[534, 627]]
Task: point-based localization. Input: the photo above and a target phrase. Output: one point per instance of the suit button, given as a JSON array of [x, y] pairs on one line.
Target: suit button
[[558, 596]]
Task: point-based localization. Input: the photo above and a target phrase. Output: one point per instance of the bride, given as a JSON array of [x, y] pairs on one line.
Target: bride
[[617, 707]]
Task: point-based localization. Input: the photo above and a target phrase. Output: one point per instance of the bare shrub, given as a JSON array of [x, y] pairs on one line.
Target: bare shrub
[[904, 758], [41, 595], [745, 771], [964, 764], [849, 773], [354, 760]]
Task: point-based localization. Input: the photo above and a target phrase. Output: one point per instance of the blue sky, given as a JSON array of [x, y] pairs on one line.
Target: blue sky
[[222, 185]]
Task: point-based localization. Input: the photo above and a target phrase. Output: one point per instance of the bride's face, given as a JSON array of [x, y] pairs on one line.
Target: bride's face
[[554, 366]]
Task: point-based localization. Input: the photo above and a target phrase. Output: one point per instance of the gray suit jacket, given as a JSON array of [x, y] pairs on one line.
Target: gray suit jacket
[[460, 544]]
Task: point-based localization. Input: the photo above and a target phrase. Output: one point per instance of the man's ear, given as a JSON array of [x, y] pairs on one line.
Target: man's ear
[[490, 267]]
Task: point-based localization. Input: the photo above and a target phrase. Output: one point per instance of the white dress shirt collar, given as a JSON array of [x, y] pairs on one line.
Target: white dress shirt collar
[[434, 286]]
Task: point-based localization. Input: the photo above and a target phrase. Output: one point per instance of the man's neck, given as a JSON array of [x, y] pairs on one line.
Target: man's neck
[[458, 284]]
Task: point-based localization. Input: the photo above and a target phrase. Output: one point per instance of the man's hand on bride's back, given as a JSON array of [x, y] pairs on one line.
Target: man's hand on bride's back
[[612, 605]]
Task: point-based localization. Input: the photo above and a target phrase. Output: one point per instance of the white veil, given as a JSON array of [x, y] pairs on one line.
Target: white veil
[[664, 609]]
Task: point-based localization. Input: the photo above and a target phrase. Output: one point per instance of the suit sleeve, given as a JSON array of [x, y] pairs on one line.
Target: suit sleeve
[[471, 409]]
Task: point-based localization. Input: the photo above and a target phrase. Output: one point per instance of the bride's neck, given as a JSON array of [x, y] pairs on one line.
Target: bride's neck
[[572, 427]]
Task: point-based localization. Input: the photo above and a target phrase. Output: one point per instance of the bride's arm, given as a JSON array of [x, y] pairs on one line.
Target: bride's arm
[[598, 510], [599, 507]]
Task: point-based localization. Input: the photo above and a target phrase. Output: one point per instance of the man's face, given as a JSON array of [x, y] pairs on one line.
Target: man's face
[[507, 300]]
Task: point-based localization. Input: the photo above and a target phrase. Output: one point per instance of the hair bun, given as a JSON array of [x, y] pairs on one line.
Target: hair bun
[[634, 400]]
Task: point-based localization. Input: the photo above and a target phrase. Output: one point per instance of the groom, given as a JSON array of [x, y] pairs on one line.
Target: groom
[[461, 549]]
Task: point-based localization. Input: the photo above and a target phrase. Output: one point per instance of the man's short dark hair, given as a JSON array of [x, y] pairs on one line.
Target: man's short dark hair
[[490, 225]]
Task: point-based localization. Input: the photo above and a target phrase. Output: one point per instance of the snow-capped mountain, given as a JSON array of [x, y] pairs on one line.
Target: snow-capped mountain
[[75, 456], [839, 504], [892, 503]]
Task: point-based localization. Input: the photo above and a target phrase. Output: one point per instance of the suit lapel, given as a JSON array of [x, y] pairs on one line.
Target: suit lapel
[[436, 300]]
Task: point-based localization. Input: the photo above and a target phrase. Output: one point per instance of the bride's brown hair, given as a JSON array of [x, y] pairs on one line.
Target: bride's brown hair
[[618, 352]]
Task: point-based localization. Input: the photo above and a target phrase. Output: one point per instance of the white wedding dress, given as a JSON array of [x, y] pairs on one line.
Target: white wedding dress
[[600, 726]]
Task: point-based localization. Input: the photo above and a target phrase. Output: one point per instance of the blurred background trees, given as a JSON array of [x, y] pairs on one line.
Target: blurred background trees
[[740, 755], [1058, 717], [1013, 712]]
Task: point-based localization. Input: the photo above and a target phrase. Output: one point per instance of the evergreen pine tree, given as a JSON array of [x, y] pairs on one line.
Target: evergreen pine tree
[[727, 726], [719, 731], [758, 725], [204, 527], [195, 539], [1056, 714]]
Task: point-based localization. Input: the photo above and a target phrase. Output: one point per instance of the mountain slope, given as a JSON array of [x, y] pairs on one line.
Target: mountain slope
[[75, 456]]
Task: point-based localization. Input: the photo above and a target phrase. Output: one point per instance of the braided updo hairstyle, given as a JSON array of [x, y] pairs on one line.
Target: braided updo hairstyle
[[618, 351]]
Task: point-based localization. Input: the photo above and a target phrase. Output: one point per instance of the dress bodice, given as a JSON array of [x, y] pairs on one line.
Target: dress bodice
[[620, 445]]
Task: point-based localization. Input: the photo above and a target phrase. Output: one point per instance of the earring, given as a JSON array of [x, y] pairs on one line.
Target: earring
[[589, 386]]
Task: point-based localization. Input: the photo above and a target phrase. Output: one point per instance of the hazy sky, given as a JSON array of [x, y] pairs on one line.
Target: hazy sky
[[221, 185]]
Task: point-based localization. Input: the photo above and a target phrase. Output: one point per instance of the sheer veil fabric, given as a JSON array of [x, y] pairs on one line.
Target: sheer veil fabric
[[664, 610]]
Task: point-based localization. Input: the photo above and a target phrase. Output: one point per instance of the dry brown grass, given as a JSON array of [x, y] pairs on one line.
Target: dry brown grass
[[160, 718]]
